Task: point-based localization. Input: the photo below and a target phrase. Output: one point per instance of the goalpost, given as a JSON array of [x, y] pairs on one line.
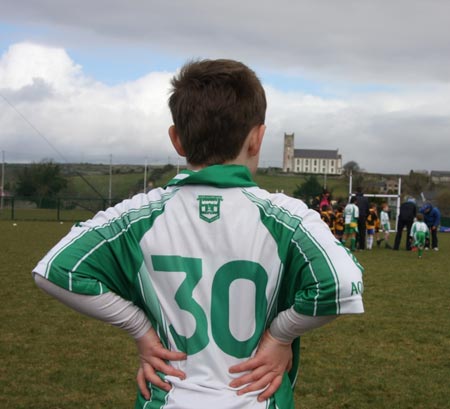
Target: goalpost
[[397, 196]]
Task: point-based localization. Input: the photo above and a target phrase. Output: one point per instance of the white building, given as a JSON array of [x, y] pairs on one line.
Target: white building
[[319, 161], [438, 176]]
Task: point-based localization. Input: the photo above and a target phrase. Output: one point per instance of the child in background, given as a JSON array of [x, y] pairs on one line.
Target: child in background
[[371, 222], [351, 215], [327, 215], [339, 223], [385, 225], [332, 218], [419, 234]]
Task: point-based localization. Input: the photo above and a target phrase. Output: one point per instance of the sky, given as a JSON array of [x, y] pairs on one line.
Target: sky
[[88, 81]]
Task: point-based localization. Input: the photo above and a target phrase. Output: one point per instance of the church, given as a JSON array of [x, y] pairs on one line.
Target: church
[[315, 161]]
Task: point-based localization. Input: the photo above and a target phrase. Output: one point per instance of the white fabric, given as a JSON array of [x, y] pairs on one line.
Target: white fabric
[[289, 324], [107, 307]]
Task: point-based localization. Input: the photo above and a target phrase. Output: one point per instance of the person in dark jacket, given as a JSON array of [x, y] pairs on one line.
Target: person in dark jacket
[[432, 218], [363, 205], [408, 211]]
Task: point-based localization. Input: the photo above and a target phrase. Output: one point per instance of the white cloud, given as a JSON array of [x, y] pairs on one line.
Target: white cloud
[[76, 114], [25, 63], [87, 120]]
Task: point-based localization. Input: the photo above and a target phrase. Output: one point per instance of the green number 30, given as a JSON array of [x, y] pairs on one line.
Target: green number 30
[[220, 303]]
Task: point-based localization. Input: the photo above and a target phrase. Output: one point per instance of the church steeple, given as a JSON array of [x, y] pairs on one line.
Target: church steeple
[[288, 152]]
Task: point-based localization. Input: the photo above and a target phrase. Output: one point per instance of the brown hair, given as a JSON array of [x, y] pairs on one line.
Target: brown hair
[[214, 105]]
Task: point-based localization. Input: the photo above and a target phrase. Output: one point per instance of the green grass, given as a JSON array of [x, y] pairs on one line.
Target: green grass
[[395, 356], [124, 184], [81, 202]]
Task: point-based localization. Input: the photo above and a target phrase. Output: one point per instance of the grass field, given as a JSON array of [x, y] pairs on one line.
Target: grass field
[[123, 184], [396, 355]]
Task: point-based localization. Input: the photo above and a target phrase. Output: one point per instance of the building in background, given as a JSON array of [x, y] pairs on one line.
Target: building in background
[[438, 176], [315, 161]]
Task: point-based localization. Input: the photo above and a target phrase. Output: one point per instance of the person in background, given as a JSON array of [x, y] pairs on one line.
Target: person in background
[[351, 216], [363, 206], [432, 218], [327, 215], [407, 214], [385, 226], [339, 224], [325, 199], [371, 223], [419, 235]]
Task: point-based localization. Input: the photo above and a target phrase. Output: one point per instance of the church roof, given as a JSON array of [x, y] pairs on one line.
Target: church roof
[[316, 154]]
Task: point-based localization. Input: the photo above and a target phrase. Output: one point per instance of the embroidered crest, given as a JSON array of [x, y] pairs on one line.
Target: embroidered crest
[[209, 208]]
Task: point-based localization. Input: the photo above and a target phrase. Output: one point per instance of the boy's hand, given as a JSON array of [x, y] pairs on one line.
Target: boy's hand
[[266, 369], [153, 357]]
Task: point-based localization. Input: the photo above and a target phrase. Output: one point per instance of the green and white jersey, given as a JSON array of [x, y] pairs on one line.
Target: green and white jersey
[[384, 220], [419, 227], [211, 259], [351, 213]]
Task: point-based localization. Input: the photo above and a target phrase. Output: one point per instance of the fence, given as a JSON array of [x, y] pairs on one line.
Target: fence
[[60, 209]]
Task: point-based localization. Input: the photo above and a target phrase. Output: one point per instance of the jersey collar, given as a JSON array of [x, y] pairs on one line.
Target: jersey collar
[[215, 175]]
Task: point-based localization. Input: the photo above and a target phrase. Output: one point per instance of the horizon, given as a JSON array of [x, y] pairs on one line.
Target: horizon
[[372, 79]]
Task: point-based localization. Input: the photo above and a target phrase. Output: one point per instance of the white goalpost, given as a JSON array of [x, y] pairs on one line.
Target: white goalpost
[[396, 196]]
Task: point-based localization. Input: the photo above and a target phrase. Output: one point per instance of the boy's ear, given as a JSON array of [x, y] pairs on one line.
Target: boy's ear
[[256, 138], [175, 139]]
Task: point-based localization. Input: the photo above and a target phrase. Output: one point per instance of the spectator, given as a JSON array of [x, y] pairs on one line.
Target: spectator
[[408, 211], [432, 218], [363, 206]]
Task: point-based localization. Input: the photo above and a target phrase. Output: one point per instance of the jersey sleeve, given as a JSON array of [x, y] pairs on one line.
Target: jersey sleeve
[[102, 254], [326, 277]]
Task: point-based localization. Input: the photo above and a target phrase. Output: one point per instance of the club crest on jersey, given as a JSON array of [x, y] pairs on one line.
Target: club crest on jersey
[[209, 208]]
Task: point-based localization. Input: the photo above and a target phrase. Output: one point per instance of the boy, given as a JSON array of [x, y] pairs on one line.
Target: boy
[[351, 215], [419, 234], [385, 226], [371, 222], [339, 223], [328, 217], [215, 275]]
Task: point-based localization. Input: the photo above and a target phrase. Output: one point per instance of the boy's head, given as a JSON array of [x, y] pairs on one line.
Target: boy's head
[[419, 217], [214, 106], [385, 207]]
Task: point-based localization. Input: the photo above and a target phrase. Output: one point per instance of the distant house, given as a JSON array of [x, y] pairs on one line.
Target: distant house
[[315, 161], [440, 176], [389, 186]]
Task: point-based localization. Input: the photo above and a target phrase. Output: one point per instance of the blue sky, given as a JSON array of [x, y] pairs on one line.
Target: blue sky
[[366, 78]]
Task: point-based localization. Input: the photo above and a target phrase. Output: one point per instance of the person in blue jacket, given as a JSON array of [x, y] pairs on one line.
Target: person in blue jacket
[[432, 218]]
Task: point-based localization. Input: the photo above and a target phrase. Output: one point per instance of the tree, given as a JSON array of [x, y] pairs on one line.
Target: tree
[[351, 167], [415, 183], [309, 190], [443, 202], [42, 181]]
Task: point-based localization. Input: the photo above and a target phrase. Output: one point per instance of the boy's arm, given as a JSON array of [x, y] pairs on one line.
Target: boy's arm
[[115, 310], [266, 369], [274, 355]]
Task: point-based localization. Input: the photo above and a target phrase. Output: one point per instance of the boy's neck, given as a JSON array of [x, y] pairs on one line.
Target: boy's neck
[[236, 161]]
